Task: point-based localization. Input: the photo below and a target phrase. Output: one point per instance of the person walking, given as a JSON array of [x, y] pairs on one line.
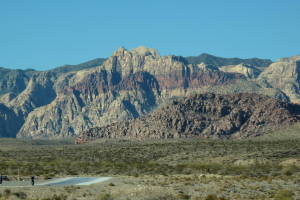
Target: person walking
[[32, 180]]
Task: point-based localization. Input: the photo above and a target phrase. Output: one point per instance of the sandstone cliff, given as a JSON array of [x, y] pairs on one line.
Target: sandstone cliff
[[23, 91], [284, 75], [249, 71], [130, 84]]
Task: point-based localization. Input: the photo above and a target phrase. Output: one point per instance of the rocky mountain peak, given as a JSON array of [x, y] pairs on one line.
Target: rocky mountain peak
[[120, 51], [140, 51], [144, 51], [285, 75], [290, 59]]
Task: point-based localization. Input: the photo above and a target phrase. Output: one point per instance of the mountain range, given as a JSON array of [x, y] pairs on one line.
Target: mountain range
[[138, 84]]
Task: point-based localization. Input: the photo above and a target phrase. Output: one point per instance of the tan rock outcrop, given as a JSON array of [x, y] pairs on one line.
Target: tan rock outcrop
[[285, 76], [248, 71]]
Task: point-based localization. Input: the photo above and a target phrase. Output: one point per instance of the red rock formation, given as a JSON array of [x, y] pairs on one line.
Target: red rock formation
[[206, 115]]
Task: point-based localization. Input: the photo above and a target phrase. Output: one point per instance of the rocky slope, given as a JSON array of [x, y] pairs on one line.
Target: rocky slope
[[127, 85], [13, 82], [219, 61], [248, 71], [9, 122], [22, 91], [285, 75], [205, 115], [71, 99]]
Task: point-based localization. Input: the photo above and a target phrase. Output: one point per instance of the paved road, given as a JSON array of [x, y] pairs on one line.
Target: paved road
[[73, 181], [58, 182]]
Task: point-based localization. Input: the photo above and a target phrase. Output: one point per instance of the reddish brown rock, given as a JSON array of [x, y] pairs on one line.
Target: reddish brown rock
[[205, 115]]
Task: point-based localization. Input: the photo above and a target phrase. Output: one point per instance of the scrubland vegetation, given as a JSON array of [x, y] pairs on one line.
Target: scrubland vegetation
[[266, 167]]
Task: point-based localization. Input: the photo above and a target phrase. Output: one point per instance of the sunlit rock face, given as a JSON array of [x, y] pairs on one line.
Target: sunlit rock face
[[285, 76], [131, 83], [128, 84], [248, 71]]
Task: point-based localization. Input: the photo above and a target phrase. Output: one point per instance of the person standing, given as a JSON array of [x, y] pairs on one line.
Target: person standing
[[32, 180], [1, 179]]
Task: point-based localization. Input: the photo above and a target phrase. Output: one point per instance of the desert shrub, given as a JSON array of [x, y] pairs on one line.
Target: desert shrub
[[71, 188], [7, 193], [104, 196], [212, 197], [57, 197], [284, 195], [289, 170], [111, 184], [147, 158], [183, 196], [20, 195], [162, 197]]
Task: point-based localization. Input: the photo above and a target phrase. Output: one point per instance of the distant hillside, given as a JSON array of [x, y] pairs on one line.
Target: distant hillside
[[219, 61], [86, 65], [14, 80]]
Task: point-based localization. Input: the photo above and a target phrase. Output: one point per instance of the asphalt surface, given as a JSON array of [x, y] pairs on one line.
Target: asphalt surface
[[57, 182]]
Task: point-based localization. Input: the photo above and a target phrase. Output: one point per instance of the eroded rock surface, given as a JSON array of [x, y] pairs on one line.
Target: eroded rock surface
[[205, 115], [285, 75], [128, 84], [131, 83], [9, 122]]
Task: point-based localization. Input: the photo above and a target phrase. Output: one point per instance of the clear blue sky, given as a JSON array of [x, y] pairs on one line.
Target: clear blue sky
[[42, 34]]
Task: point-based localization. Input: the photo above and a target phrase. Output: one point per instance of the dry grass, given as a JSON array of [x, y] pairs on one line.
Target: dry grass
[[261, 168]]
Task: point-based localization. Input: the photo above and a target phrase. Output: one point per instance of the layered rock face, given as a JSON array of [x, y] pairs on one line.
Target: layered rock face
[[205, 115], [248, 71], [95, 100], [71, 99], [129, 84], [23, 91], [285, 75], [39, 92]]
